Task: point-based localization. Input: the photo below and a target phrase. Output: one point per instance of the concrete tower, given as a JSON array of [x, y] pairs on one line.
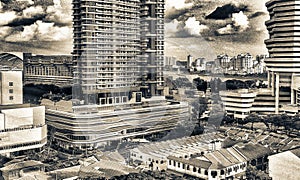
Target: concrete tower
[[284, 50], [118, 49]]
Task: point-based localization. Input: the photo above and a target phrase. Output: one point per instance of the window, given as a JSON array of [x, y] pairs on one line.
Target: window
[[10, 83], [11, 91], [222, 172], [214, 174], [11, 98]]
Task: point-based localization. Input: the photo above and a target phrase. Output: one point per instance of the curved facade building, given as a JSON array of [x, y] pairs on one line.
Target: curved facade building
[[93, 128], [238, 104], [284, 48]]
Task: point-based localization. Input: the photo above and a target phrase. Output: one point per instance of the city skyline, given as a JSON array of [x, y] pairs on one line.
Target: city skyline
[[192, 27]]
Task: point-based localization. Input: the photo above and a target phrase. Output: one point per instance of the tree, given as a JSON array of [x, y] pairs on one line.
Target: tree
[[200, 84], [252, 118]]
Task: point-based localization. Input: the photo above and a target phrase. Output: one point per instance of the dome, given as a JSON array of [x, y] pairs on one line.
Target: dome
[[10, 62]]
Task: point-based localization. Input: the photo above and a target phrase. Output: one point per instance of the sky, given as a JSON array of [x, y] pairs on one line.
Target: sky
[[202, 28]]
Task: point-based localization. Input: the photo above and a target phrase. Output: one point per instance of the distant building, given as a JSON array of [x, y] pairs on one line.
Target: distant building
[[241, 103], [238, 104], [241, 64], [259, 65], [170, 63], [210, 67], [48, 69], [190, 60], [285, 165], [199, 65], [22, 126], [195, 65]]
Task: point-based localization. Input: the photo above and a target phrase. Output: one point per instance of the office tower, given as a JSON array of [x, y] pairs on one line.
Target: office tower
[[118, 49], [283, 45]]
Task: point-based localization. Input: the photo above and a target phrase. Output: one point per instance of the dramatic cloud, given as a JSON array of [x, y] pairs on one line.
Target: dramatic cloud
[[7, 17], [27, 20], [59, 14], [177, 4], [239, 23], [240, 20], [190, 27], [171, 28], [33, 11], [41, 31], [226, 11], [5, 31], [193, 27]]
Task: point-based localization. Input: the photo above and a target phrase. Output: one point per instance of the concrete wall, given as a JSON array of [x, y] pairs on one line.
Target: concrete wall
[[22, 136], [2, 122], [285, 166], [7, 90], [18, 117], [38, 115]]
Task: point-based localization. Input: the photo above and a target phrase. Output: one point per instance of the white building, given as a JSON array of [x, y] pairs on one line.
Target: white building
[[285, 165], [22, 126]]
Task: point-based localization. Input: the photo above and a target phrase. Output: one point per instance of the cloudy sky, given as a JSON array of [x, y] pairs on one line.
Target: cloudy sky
[[203, 28]]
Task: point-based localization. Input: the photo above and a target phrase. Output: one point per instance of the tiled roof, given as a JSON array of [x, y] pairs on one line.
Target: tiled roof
[[253, 151], [10, 61], [193, 162], [296, 152], [20, 165]]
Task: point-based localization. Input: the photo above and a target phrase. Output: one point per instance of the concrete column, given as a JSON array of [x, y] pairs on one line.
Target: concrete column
[[292, 96], [277, 94], [269, 79], [272, 84]]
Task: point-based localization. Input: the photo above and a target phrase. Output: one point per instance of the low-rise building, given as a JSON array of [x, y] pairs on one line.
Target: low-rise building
[[92, 126], [241, 103], [285, 165], [48, 69], [154, 156], [238, 103], [22, 126], [229, 163], [23, 169]]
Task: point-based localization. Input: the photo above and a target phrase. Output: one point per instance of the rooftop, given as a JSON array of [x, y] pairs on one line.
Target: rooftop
[[20, 165], [10, 62]]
